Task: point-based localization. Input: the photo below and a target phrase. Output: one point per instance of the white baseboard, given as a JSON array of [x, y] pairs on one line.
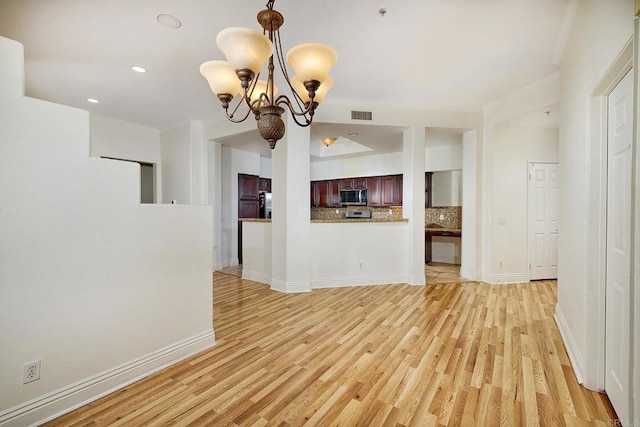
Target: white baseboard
[[417, 280], [290, 287], [342, 282], [255, 276], [575, 355], [501, 279], [52, 405], [470, 275]]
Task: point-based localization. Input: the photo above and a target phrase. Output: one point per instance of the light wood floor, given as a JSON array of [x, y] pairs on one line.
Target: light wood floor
[[464, 354]]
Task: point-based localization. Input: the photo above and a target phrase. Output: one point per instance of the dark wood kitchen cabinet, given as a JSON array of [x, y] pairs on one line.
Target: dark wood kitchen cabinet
[[353, 183], [248, 203], [397, 193], [325, 194], [388, 188], [264, 184], [385, 190], [248, 186], [374, 191], [428, 176]]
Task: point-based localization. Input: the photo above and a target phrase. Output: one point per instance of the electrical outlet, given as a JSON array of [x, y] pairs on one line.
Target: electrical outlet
[[360, 265], [30, 372], [500, 264], [441, 217]]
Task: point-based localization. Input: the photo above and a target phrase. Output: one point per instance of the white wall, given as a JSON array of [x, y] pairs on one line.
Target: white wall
[[124, 140], [471, 249], [101, 289], [176, 165], [444, 158], [599, 33], [375, 165], [442, 191], [528, 99], [513, 148]]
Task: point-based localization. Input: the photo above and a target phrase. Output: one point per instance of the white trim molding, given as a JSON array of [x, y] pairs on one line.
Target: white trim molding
[[342, 282], [52, 405], [290, 287], [573, 350], [502, 279]]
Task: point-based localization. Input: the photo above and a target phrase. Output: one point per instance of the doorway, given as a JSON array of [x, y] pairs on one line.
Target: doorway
[[608, 346], [618, 246], [542, 202]]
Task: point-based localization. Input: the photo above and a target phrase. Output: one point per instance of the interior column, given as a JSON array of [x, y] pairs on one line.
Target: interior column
[[413, 200], [291, 218]]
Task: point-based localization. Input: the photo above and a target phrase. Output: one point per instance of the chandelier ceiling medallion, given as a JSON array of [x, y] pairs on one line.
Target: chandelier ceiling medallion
[[246, 51]]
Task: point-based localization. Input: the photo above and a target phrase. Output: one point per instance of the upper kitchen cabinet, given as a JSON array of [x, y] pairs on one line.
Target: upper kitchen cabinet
[[264, 184], [374, 191], [388, 193], [428, 178], [325, 194], [381, 190], [353, 183], [248, 186], [397, 193]]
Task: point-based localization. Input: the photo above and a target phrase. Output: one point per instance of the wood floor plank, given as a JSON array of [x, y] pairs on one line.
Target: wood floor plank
[[447, 354]]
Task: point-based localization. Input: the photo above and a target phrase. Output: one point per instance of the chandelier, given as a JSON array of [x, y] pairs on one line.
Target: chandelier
[[246, 51]]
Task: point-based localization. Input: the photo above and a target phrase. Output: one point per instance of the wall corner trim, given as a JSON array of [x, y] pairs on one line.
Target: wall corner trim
[[575, 355]]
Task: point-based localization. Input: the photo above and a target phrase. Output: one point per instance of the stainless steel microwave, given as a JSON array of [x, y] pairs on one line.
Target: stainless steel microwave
[[353, 197]]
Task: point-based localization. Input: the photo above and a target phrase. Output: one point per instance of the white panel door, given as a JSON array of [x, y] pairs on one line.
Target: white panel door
[[618, 300], [543, 221]]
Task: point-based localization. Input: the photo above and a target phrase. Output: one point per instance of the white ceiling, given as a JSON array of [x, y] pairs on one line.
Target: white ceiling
[[436, 54]]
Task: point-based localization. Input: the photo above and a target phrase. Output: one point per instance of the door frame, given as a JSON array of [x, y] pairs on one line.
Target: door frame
[[530, 163], [596, 226]]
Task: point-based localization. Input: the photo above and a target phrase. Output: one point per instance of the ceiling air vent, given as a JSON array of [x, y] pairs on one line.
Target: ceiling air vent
[[361, 115]]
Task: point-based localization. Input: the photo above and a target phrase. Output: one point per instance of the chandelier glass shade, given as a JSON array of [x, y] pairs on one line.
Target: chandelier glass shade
[[246, 51]]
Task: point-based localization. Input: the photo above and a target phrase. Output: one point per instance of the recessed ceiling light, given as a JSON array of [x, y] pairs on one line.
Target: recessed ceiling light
[[352, 134], [329, 141], [92, 100], [138, 69], [169, 21]]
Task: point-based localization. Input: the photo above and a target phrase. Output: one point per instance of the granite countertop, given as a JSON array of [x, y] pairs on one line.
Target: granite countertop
[[443, 229], [254, 219]]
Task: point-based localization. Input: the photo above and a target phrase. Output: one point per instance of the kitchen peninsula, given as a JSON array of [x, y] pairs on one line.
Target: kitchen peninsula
[[344, 252]]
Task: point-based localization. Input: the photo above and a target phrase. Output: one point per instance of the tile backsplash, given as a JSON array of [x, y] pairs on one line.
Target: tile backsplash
[[452, 216], [326, 214]]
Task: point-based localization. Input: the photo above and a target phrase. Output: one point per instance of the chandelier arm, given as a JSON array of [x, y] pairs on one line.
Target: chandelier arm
[[309, 108], [283, 68], [306, 123], [246, 96], [230, 117], [307, 114]]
